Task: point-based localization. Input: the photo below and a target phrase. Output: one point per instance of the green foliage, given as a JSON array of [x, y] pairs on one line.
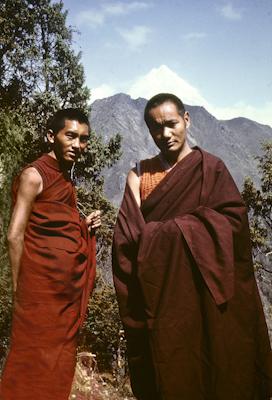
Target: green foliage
[[88, 175], [101, 329], [100, 333], [39, 68], [18, 145], [259, 203]]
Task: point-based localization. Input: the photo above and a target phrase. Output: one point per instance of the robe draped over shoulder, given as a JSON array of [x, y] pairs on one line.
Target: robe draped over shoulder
[[186, 289], [55, 280]]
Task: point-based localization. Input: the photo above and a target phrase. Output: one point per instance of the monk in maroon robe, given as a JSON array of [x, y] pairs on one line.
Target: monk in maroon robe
[[183, 274], [52, 255]]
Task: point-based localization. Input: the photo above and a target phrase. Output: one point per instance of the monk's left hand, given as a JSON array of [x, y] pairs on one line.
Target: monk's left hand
[[93, 220]]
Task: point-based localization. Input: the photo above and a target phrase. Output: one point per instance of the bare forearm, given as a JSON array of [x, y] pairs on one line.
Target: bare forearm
[[15, 254], [134, 182]]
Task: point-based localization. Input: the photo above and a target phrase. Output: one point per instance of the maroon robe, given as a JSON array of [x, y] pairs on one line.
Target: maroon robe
[[55, 279], [186, 289]]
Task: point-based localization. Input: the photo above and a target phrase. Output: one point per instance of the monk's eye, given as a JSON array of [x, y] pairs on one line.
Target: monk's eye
[[84, 139], [157, 128], [171, 124]]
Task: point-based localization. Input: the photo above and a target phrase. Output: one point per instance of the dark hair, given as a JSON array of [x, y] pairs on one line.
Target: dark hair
[[57, 122], [161, 98]]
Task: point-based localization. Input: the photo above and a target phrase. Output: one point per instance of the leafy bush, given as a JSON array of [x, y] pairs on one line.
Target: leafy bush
[[100, 333]]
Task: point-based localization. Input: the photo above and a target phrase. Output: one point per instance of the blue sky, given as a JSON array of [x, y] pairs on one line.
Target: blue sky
[[213, 53]]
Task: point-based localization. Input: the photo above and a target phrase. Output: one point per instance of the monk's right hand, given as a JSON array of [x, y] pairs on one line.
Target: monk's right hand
[[93, 220]]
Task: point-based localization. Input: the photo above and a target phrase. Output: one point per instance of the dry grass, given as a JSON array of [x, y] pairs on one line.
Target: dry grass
[[90, 385]]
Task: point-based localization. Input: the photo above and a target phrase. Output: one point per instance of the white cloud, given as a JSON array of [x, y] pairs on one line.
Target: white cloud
[[194, 35], [95, 18], [120, 8], [102, 92], [163, 79], [261, 114], [229, 12], [135, 37], [91, 17]]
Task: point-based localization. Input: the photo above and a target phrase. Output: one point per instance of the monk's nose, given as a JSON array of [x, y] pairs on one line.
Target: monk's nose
[[166, 132], [76, 143]]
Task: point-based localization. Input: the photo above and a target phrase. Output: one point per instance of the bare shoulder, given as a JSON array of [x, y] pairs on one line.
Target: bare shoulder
[[30, 179], [29, 186], [30, 174], [133, 178], [133, 181]]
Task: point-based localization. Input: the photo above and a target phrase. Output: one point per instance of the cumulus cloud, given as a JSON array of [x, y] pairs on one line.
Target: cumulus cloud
[[102, 92], [97, 17], [229, 12], [194, 35], [135, 37]]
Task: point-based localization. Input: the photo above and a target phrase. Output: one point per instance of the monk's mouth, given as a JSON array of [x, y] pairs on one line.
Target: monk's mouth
[[170, 144], [72, 154]]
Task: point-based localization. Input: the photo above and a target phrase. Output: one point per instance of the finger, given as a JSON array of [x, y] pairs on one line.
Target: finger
[[96, 225], [89, 218], [93, 214]]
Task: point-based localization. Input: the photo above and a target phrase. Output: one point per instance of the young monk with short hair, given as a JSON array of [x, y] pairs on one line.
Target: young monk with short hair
[[52, 256]]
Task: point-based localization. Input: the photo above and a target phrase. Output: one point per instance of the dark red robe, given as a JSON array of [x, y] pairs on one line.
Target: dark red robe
[[55, 279], [186, 289]]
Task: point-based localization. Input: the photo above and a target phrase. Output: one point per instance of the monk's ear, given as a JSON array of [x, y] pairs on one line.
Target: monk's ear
[[187, 119], [50, 136]]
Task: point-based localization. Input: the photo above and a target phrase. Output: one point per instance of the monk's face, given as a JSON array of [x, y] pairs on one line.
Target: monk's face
[[70, 141], [168, 129]]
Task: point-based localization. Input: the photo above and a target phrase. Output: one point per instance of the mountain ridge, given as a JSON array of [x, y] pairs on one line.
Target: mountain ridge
[[236, 141]]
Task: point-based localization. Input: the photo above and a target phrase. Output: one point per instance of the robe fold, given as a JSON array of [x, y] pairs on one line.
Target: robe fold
[[55, 280], [186, 289]]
